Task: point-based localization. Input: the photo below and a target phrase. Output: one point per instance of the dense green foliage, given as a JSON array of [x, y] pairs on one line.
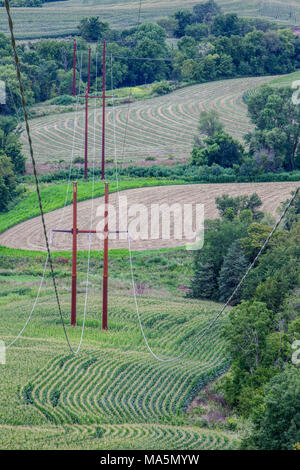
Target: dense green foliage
[[92, 29], [220, 234], [12, 161], [211, 46], [277, 422], [27, 3], [264, 324], [7, 182], [233, 268], [274, 144], [221, 149], [182, 173]]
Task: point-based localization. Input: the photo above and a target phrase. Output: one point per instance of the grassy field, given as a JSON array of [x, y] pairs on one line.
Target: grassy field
[[113, 395], [62, 18], [155, 128], [286, 80]]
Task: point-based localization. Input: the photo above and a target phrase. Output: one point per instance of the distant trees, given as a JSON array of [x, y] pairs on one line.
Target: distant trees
[[211, 46], [12, 162], [184, 18], [234, 267], [273, 146], [8, 182], [10, 144], [276, 139], [209, 123], [219, 148], [220, 234], [277, 421], [204, 12], [92, 28], [236, 205]]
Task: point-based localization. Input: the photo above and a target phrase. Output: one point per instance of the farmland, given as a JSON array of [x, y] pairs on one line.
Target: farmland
[[171, 120], [61, 18], [29, 234], [131, 401], [199, 341]]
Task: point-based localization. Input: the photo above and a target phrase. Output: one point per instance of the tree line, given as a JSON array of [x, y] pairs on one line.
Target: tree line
[[208, 45], [263, 384], [272, 147]]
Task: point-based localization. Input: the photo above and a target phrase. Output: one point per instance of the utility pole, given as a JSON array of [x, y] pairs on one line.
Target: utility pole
[[86, 135], [74, 257], [103, 109], [105, 261], [89, 74], [87, 95], [74, 232], [74, 67]]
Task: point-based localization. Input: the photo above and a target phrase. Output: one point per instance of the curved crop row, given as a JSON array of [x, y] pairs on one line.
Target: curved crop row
[[117, 436], [158, 127]]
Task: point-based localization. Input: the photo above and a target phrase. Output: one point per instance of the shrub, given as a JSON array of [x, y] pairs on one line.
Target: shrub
[[162, 88]]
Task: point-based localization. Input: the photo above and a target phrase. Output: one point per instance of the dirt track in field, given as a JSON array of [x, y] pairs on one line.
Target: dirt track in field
[[29, 234]]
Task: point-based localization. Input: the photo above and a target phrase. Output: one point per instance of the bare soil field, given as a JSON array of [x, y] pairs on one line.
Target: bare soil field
[[29, 234]]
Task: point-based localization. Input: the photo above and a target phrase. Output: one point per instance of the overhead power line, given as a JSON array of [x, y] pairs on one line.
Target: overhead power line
[[201, 336], [18, 70]]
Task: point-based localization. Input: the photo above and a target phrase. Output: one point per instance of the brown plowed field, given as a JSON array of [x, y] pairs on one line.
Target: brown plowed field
[[29, 234]]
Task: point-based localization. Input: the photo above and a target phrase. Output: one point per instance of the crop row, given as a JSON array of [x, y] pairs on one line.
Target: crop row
[[116, 387], [158, 127], [117, 436]]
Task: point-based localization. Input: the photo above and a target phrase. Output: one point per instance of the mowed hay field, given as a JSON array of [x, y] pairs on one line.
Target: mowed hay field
[[156, 127], [62, 18], [29, 234]]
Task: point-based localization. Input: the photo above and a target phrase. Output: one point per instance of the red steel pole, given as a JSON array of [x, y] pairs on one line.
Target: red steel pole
[[89, 76], [74, 257], [74, 67], [86, 135], [105, 262], [103, 110]]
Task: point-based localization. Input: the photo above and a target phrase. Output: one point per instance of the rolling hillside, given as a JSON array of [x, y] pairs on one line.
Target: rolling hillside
[[113, 395], [62, 18], [156, 127], [29, 235]]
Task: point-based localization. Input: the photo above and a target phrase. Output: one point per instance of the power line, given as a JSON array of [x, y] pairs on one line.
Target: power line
[[140, 11], [17, 64], [51, 237], [197, 341], [152, 59]]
